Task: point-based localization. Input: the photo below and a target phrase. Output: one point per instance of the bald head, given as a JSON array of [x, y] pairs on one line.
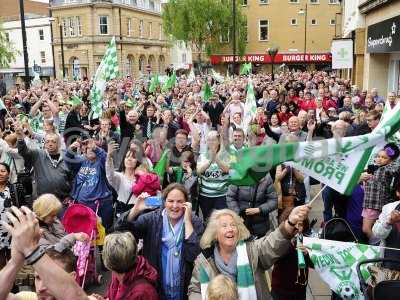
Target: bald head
[[339, 128]]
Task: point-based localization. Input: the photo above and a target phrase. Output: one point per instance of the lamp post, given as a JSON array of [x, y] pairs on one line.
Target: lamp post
[[62, 51], [273, 51], [304, 12], [24, 46], [234, 35]]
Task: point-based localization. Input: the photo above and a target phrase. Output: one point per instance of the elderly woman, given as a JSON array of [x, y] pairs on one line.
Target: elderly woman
[[46, 208], [226, 251], [170, 236], [132, 275]]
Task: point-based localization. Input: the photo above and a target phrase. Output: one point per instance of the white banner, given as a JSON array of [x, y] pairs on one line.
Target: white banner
[[342, 171], [335, 262], [342, 54]]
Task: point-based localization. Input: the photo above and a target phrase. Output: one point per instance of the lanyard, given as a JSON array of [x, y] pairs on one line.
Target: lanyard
[[176, 237]]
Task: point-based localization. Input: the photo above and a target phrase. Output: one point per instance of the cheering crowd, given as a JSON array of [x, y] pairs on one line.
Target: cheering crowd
[[155, 169]]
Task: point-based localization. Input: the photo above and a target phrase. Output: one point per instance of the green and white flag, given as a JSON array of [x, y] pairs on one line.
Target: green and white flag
[[217, 77], [250, 107], [107, 70], [191, 77], [2, 105], [335, 262], [245, 69], [342, 171], [249, 165], [154, 83]]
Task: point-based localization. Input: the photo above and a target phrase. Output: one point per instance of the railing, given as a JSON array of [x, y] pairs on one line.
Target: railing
[[150, 5]]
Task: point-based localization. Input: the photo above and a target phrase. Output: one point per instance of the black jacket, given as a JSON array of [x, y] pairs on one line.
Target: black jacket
[[73, 127], [261, 195]]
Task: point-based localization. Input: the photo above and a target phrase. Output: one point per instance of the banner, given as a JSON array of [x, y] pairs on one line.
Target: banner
[[342, 171], [342, 54], [249, 165], [335, 262]]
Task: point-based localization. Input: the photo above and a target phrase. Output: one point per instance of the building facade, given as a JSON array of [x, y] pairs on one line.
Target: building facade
[[381, 66], [38, 37], [302, 29], [87, 26]]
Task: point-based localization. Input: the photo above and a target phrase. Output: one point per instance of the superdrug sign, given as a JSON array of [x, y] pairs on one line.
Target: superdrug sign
[[384, 37]]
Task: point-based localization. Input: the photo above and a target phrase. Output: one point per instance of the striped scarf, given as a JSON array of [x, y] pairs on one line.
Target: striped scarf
[[244, 278]]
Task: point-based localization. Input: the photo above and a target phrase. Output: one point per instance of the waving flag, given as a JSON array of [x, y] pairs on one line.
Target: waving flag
[[341, 172], [191, 76], [217, 77], [207, 92], [249, 165], [155, 82], [245, 69], [107, 70], [250, 107], [335, 262]]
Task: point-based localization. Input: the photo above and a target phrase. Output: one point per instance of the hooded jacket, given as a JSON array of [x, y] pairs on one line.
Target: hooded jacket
[[138, 284], [147, 183]]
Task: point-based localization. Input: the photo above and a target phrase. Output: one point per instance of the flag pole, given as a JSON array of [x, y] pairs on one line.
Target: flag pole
[[316, 196]]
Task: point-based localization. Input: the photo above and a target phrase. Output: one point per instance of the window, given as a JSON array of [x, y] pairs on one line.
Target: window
[[72, 26], [129, 24], [293, 1], [7, 36], [246, 33], [333, 1], [78, 26], [224, 38], [141, 24], [152, 5], [244, 2], [293, 22], [103, 21], [263, 30], [313, 22], [184, 58], [41, 35], [332, 22], [65, 31], [150, 30], [314, 1], [43, 57], [161, 31], [263, 1]]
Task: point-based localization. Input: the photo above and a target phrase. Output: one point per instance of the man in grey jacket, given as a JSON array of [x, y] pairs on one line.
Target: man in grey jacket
[[51, 172], [254, 204]]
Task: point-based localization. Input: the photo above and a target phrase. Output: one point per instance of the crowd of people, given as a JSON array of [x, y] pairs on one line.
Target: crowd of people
[[185, 232]]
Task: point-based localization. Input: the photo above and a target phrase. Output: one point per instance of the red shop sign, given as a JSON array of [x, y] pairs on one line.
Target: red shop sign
[[279, 58]]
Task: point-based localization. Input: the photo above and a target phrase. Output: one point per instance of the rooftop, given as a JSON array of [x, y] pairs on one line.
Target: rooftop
[[149, 5]]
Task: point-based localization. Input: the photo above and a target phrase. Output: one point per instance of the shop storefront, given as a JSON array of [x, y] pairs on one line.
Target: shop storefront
[[382, 62], [263, 62]]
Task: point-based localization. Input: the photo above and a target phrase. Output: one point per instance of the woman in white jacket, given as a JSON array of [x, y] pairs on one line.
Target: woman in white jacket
[[9, 155], [123, 181]]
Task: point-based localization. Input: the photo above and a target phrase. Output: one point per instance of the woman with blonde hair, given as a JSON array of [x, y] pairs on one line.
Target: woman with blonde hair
[[226, 250], [46, 208]]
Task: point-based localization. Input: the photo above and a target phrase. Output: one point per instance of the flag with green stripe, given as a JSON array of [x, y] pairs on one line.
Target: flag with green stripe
[[335, 262], [342, 171], [249, 165], [107, 70], [250, 107], [245, 69]]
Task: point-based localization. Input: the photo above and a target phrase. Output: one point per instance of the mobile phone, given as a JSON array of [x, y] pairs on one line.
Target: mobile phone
[[153, 201]]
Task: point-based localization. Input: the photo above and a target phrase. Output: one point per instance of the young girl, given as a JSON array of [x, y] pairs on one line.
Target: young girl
[[146, 182], [377, 186]]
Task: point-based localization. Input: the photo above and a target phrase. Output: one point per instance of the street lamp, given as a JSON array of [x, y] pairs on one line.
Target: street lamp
[[234, 35], [273, 51], [24, 46], [304, 12], [62, 50]]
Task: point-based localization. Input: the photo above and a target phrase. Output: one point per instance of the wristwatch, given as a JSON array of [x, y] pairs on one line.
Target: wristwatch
[[35, 255]]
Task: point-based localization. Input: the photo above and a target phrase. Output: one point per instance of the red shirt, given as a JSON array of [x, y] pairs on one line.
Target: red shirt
[[308, 104], [328, 102]]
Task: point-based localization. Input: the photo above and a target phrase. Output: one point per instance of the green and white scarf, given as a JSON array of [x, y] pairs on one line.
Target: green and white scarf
[[244, 281]]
